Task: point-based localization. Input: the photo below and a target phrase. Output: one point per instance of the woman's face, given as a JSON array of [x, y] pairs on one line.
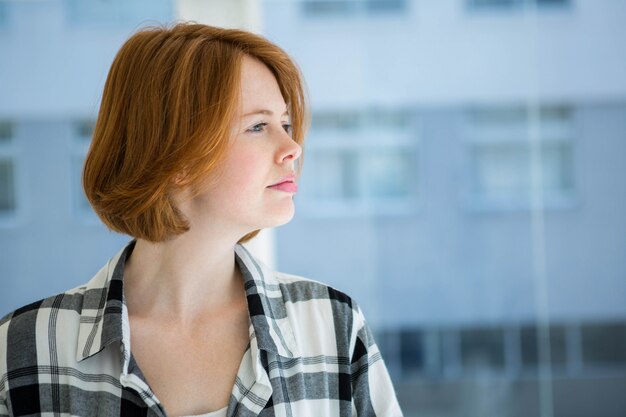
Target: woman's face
[[262, 152]]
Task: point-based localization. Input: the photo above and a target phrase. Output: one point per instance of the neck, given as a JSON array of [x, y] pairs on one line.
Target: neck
[[182, 280]]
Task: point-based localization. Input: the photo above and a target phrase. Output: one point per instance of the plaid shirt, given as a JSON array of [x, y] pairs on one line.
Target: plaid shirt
[[311, 352]]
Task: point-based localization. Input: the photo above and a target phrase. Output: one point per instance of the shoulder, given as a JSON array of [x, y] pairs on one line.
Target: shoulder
[[22, 317], [316, 309], [298, 289], [49, 320]]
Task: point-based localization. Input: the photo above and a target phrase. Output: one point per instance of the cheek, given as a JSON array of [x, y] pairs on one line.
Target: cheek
[[246, 170]]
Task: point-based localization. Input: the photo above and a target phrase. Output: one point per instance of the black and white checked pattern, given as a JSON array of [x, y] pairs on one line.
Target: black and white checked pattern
[[311, 352]]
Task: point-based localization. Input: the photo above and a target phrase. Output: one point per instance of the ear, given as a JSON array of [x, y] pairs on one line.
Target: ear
[[180, 177]]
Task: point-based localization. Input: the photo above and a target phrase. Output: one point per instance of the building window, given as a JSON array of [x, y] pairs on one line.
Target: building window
[[603, 344], [482, 349], [514, 4], [350, 8], [117, 12], [500, 157], [360, 161], [7, 186], [6, 132], [82, 134], [412, 351], [530, 350], [8, 199], [385, 119]]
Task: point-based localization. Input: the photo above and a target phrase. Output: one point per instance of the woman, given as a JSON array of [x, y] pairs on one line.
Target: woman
[[195, 149]]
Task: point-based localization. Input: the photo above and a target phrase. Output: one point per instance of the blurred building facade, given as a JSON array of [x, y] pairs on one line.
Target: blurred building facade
[[463, 181], [57, 54]]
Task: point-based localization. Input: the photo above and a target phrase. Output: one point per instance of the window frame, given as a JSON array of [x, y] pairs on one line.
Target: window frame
[[516, 134], [361, 142], [475, 6]]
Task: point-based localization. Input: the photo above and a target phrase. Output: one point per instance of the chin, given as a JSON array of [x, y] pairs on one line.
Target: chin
[[280, 219]]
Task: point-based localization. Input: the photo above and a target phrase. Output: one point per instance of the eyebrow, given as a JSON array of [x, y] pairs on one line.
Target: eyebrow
[[263, 111]]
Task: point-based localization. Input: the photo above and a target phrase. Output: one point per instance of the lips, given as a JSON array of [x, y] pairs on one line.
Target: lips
[[286, 184], [288, 179]]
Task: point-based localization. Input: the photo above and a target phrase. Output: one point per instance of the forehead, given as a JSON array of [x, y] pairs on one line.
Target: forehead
[[259, 88]]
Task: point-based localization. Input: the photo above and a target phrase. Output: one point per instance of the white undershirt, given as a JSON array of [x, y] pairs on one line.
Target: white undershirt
[[217, 413]]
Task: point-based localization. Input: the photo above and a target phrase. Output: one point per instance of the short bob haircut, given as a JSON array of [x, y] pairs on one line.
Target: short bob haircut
[[165, 121]]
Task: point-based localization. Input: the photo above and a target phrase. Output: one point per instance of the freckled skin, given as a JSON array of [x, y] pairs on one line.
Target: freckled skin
[[258, 158]]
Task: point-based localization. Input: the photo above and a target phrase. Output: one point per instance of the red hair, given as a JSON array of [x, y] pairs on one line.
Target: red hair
[[167, 108]]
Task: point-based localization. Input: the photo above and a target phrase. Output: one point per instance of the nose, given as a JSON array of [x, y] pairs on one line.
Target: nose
[[290, 149]]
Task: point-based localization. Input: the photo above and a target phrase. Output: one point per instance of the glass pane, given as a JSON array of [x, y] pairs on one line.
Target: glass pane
[[389, 173], [6, 129], [561, 114], [604, 344], [315, 8], [529, 349], [486, 4], [412, 352], [557, 168], [482, 349], [7, 186], [384, 6], [502, 170]]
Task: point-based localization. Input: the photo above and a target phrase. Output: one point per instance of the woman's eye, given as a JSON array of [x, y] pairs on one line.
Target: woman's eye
[[260, 127], [254, 128]]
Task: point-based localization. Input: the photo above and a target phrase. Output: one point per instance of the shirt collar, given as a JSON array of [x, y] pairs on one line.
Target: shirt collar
[[104, 315]]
